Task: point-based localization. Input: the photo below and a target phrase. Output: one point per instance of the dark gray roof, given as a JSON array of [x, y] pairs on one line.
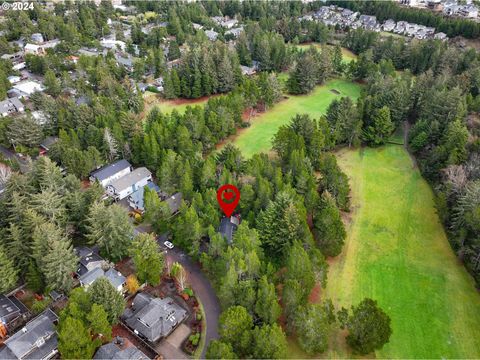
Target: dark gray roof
[[174, 202], [227, 227], [35, 341], [153, 318], [118, 351], [48, 142], [11, 105], [8, 310], [108, 170], [87, 257]]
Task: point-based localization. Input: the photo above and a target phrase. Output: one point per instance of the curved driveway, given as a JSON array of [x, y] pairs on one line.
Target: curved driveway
[[203, 290]]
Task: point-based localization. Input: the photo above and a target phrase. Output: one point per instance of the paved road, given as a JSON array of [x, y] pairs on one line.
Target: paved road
[[203, 289], [8, 154]]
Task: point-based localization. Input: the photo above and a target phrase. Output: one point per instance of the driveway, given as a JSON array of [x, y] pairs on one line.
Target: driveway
[[202, 288], [204, 291], [8, 154]]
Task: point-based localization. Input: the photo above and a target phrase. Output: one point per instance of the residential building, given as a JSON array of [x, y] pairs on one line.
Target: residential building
[[37, 340], [248, 70], [234, 32], [468, 11], [113, 276], [112, 44], [126, 185], [47, 143], [440, 36], [11, 106], [109, 173], [211, 35], [389, 25], [25, 89], [174, 202], [228, 226], [153, 318], [119, 348], [50, 44], [135, 200], [11, 309], [14, 79], [89, 260], [126, 62], [34, 49], [37, 38]]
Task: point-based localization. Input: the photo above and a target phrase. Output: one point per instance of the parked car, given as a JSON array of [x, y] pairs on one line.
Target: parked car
[[168, 244]]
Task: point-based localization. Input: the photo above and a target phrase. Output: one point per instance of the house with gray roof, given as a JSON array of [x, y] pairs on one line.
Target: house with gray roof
[[211, 35], [11, 309], [153, 318], [234, 32], [135, 200], [113, 276], [128, 184], [37, 340], [228, 226], [174, 202], [111, 172], [118, 349], [11, 106]]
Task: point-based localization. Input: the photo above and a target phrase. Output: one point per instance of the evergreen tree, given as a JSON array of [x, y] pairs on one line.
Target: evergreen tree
[[110, 229], [8, 272], [99, 325], [147, 258], [267, 307], [269, 342], [234, 327], [381, 127], [328, 226], [52, 84], [103, 293], [220, 350], [74, 340], [369, 327]]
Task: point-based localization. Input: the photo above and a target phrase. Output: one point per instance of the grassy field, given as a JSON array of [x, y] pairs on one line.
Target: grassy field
[[346, 54], [397, 253], [166, 106], [257, 138]]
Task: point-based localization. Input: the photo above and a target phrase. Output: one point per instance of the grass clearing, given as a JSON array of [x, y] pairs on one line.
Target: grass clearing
[[167, 106], [258, 137], [397, 253]]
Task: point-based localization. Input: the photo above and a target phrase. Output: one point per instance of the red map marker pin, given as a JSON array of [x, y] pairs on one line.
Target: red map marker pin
[[228, 197]]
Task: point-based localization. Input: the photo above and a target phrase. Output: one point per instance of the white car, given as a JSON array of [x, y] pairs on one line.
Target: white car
[[168, 244]]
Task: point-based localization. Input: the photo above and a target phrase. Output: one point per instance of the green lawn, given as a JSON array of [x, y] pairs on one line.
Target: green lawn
[[347, 54], [257, 138], [397, 253]]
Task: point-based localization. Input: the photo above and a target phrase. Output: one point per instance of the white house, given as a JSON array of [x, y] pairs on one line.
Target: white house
[[112, 44], [109, 173], [25, 89], [128, 184], [13, 79], [34, 49]]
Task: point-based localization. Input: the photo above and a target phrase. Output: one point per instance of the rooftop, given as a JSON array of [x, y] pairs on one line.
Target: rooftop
[[109, 170], [130, 179]]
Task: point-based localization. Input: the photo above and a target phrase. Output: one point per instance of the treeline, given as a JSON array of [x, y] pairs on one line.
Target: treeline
[[384, 10]]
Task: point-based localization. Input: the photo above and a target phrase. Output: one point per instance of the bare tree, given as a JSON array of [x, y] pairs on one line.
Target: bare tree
[[5, 173], [179, 273], [456, 177], [111, 144]]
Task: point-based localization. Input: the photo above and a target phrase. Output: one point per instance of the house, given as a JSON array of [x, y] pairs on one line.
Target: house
[[234, 32], [92, 266], [228, 225], [440, 36], [197, 26], [37, 340], [112, 44], [119, 348], [14, 79], [468, 11], [11, 309], [113, 276], [47, 144], [109, 173], [89, 260], [142, 87], [389, 25], [401, 27], [369, 22], [11, 106], [211, 35], [174, 202], [34, 49], [50, 44], [126, 62], [158, 82], [37, 38], [248, 70], [25, 89], [153, 318], [126, 185], [135, 200]]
